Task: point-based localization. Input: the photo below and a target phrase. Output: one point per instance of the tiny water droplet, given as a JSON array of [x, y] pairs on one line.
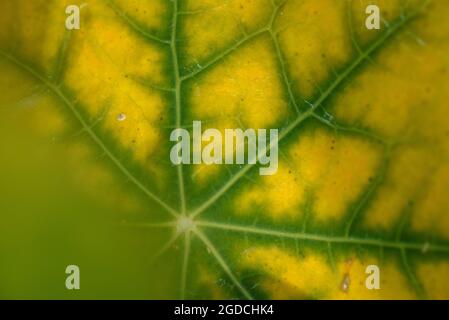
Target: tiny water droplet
[[121, 117], [345, 283]]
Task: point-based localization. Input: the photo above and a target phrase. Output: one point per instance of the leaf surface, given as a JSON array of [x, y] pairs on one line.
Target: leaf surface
[[363, 168]]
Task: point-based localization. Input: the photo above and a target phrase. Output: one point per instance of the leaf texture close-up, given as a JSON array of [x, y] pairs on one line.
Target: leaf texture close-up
[[87, 179]]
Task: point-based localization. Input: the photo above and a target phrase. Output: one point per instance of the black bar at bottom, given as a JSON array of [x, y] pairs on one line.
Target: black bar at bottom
[[229, 309]]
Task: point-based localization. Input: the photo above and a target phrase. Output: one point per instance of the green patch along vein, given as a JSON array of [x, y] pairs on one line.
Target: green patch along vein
[[326, 94], [402, 245], [58, 92]]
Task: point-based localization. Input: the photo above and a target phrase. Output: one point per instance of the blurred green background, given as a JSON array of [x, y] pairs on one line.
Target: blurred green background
[[47, 222]]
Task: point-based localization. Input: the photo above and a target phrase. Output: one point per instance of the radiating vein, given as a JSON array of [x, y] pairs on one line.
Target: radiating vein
[[62, 54], [234, 47], [285, 77], [416, 246], [358, 131], [175, 61], [224, 54], [411, 276], [170, 224], [324, 95], [166, 246], [280, 58], [222, 263], [56, 90], [134, 25], [185, 263], [367, 195]]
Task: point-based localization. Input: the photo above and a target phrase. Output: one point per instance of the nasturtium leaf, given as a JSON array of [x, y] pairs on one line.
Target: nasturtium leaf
[[363, 153]]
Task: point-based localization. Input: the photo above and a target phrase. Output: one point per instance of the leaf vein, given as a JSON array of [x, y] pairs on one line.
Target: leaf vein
[[58, 92]]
